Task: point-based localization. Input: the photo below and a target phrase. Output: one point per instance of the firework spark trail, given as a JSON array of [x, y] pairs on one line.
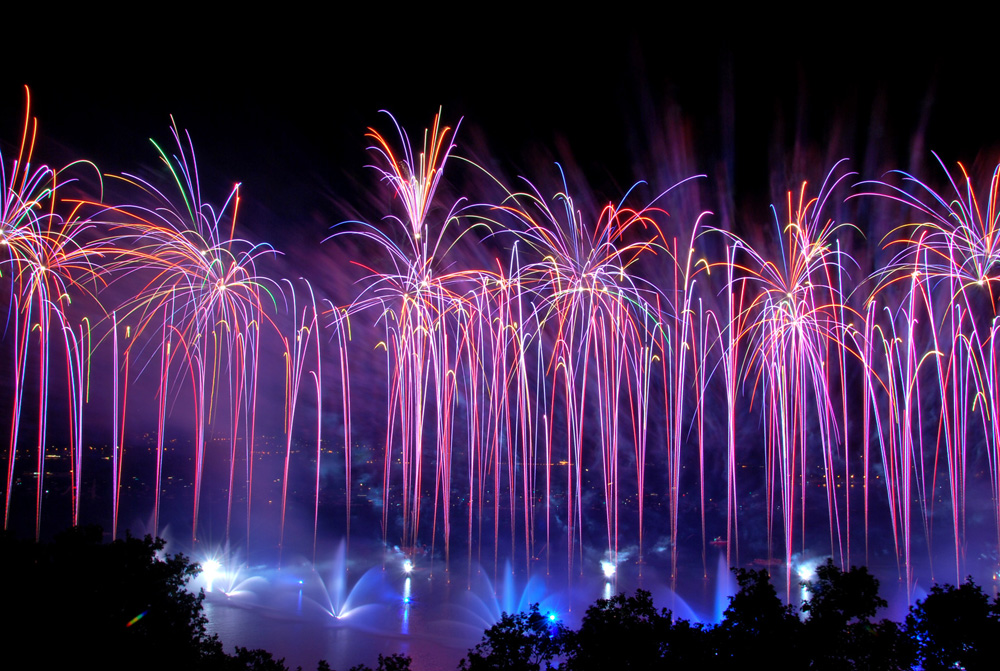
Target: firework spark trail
[[243, 395], [844, 346], [420, 311], [472, 347], [990, 386], [951, 261], [706, 320], [317, 376], [341, 327], [894, 359], [205, 287], [47, 261], [902, 455], [165, 357], [677, 348], [736, 323], [566, 297], [953, 388], [495, 344], [601, 319], [296, 350], [445, 359], [78, 349], [794, 319], [26, 192], [120, 377], [865, 345], [44, 283]]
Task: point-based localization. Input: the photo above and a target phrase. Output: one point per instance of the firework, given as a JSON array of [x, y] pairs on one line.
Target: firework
[[550, 365]]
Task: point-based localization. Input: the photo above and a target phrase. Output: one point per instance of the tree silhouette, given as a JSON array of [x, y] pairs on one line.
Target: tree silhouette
[[120, 603], [839, 633], [394, 662], [245, 659], [757, 628], [957, 627], [623, 632], [518, 642], [838, 598], [620, 632]]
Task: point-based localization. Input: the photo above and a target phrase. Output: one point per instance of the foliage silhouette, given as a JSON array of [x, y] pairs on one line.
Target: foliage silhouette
[[623, 632], [839, 633], [518, 642], [957, 627], [394, 662], [245, 659], [112, 602], [122, 605], [757, 628]]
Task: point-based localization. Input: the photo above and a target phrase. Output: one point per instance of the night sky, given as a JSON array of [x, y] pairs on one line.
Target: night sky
[[281, 103]]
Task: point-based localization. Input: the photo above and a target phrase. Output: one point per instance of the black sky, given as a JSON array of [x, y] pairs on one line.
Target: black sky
[[281, 102]]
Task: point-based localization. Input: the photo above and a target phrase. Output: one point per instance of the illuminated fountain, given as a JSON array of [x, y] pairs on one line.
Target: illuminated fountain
[[363, 600]]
